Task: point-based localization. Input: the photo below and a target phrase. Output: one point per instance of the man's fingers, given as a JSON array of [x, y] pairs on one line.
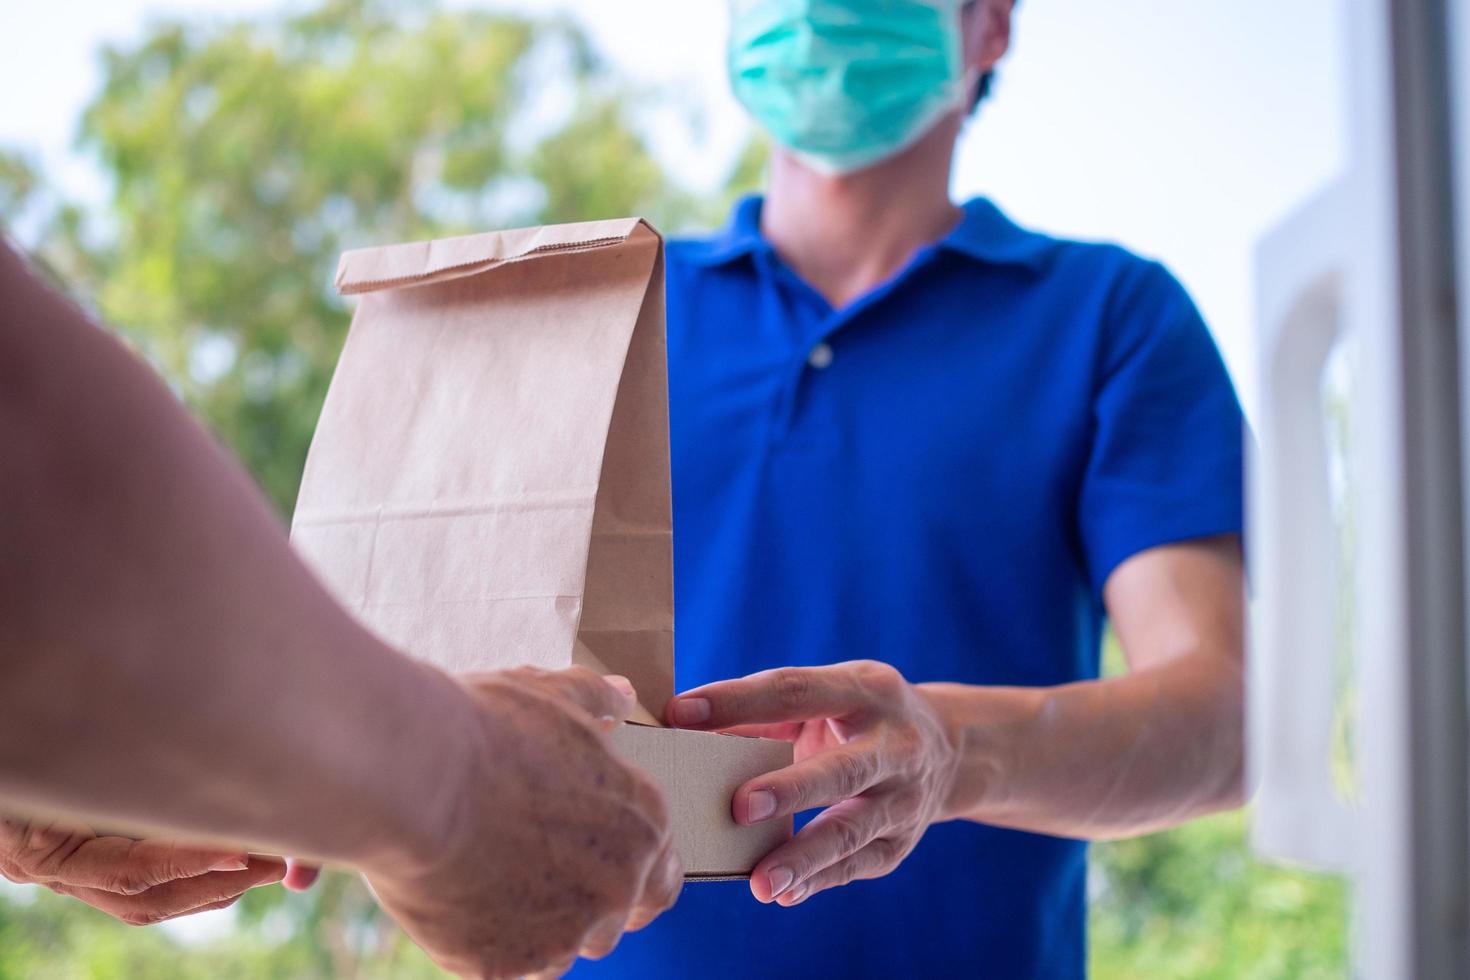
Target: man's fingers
[[780, 731], [131, 910], [300, 876], [832, 835], [603, 938], [606, 699], [661, 889], [215, 907], [785, 694], [555, 970], [824, 779], [665, 875], [873, 861], [53, 854], [127, 866], [156, 862], [32, 852], [183, 896]]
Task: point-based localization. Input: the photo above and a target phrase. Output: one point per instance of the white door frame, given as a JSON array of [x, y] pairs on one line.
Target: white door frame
[[1414, 895]]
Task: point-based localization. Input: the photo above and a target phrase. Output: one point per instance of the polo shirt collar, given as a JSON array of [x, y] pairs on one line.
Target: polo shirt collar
[[984, 234], [987, 235], [740, 237]]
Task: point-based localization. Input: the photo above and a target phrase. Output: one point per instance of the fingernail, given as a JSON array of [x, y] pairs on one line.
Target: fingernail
[[691, 711], [779, 879], [231, 864], [760, 805], [624, 686], [795, 896]]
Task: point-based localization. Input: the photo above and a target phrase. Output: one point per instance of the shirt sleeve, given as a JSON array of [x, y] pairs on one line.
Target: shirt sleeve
[[1165, 461]]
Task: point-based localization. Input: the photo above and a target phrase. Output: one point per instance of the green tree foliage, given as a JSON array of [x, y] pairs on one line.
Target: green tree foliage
[[242, 158], [18, 183], [45, 937], [1193, 903]]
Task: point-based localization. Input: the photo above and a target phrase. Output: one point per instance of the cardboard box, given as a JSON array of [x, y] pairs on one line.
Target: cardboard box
[[488, 485]]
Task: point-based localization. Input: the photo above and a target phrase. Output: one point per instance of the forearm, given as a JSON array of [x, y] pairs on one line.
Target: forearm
[[1098, 759], [166, 663]]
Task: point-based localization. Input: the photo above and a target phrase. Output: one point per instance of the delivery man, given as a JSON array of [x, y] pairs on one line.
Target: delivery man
[[168, 666], [921, 455]]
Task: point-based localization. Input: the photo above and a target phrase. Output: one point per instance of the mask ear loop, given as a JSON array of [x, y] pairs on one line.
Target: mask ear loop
[[968, 87], [969, 82]]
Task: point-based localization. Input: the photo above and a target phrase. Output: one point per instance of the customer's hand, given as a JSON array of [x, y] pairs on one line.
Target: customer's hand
[[869, 746], [555, 846], [139, 882], [300, 875]]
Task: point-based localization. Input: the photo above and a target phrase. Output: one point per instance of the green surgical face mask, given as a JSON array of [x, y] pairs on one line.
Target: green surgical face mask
[[845, 84]]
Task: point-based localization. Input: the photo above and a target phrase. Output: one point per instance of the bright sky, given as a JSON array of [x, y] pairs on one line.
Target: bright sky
[[1183, 130]]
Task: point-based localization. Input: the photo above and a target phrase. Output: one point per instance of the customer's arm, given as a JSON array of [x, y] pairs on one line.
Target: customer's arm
[[1095, 759], [1131, 754], [168, 666]]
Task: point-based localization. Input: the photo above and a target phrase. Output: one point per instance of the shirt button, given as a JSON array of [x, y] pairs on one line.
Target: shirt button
[[820, 357]]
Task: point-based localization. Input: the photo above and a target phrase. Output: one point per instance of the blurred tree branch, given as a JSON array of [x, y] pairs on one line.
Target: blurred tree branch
[[243, 157]]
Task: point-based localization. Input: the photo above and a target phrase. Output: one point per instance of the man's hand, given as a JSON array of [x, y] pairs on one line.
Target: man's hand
[[1092, 759], [555, 848], [492, 819], [869, 747], [140, 882]]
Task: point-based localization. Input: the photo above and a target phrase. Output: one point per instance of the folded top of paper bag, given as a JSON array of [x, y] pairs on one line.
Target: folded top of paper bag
[[489, 482], [366, 269]]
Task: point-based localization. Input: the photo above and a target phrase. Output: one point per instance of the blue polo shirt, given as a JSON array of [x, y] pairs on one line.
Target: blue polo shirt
[[941, 475]]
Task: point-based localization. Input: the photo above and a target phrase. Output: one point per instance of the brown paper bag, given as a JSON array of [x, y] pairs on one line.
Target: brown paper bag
[[489, 483]]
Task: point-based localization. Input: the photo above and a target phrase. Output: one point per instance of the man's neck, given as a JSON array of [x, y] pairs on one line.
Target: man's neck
[[846, 235]]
